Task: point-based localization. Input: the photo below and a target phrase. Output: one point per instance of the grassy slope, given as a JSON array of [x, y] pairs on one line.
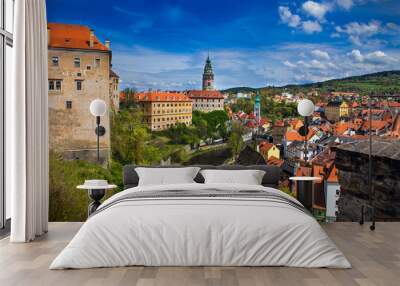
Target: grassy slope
[[381, 82]]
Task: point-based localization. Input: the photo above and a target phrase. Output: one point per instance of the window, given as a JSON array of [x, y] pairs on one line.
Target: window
[[68, 104], [78, 84], [88, 67], [77, 62], [54, 84], [6, 63], [55, 61], [51, 84], [97, 63]]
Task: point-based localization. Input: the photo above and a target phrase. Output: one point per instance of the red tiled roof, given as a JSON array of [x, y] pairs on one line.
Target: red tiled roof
[[265, 146], [72, 37], [375, 124], [264, 121], [333, 176], [275, 161], [121, 95], [296, 123], [303, 172], [161, 96], [389, 104], [293, 136], [215, 94], [113, 74], [342, 127], [250, 124]]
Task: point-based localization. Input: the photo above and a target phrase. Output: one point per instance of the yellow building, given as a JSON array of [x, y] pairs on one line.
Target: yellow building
[[162, 110], [79, 71], [269, 150], [335, 110]]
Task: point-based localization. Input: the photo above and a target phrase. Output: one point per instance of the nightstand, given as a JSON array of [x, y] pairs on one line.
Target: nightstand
[[96, 191]]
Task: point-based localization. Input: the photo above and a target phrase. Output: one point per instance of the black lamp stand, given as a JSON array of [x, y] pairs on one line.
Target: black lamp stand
[[98, 138]]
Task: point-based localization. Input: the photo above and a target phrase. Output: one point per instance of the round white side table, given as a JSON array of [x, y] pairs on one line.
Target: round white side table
[[96, 192]]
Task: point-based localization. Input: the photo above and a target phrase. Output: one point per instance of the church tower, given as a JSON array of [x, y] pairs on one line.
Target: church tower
[[208, 76], [257, 108]]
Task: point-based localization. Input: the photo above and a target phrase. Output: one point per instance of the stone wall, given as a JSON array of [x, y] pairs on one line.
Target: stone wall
[[73, 129], [352, 163]]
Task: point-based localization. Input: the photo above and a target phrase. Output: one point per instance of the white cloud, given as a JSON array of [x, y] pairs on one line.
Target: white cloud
[[317, 64], [145, 68], [311, 27], [288, 18], [373, 58], [393, 27], [377, 57], [358, 32], [289, 64], [356, 56], [315, 9], [331, 65], [346, 4], [321, 54], [313, 64]]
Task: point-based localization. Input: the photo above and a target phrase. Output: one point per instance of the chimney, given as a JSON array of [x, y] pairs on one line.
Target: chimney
[[91, 38], [108, 44], [48, 36]]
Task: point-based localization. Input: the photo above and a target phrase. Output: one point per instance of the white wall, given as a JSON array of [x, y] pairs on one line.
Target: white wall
[[331, 197]]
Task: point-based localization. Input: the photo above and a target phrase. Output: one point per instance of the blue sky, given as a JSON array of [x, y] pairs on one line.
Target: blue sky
[[163, 44]]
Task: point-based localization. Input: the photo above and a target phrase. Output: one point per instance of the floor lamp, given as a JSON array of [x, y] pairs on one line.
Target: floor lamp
[[98, 108], [306, 109]]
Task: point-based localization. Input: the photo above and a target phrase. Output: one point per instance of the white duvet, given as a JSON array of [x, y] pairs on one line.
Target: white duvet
[[200, 231]]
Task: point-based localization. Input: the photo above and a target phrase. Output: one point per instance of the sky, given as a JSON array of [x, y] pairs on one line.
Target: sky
[[163, 44]]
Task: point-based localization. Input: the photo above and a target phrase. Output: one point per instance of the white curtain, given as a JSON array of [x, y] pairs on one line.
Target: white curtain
[[27, 124]]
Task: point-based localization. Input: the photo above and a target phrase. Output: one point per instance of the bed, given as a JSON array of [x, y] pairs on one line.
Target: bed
[[201, 224]]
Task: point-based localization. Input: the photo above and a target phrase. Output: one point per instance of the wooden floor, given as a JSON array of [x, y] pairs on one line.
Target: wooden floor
[[375, 257]]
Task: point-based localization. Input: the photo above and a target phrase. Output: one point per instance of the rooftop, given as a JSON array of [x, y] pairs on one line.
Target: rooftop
[[382, 148], [161, 96], [72, 36], [214, 94]]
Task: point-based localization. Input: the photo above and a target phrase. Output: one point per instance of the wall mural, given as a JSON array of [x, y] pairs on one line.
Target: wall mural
[[145, 122]]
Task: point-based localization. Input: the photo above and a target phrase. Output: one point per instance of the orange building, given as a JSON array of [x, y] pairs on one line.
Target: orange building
[[162, 110]]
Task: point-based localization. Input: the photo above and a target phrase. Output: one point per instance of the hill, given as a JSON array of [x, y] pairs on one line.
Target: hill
[[243, 89], [380, 82]]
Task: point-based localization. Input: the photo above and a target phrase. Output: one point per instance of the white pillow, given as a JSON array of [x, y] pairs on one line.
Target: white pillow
[[166, 176], [248, 177]]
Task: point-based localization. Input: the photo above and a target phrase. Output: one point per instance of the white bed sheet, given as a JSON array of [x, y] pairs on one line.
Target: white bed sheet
[[200, 232]]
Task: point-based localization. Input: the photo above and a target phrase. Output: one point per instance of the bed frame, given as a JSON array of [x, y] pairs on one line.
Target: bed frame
[[270, 179]]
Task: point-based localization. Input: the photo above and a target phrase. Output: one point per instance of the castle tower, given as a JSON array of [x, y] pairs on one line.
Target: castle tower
[[208, 76], [257, 108]]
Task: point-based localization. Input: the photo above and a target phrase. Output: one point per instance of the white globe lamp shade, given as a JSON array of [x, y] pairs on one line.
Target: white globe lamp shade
[[305, 107], [98, 107]]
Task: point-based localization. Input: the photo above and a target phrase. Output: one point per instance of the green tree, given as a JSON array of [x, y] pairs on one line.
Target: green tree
[[129, 98], [128, 137], [211, 124], [236, 142], [66, 203]]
